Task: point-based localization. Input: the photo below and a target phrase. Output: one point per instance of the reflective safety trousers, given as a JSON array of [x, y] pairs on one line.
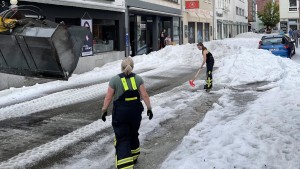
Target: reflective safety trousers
[[209, 77], [126, 120]]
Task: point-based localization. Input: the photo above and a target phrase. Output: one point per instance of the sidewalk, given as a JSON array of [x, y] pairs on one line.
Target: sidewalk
[[296, 57]]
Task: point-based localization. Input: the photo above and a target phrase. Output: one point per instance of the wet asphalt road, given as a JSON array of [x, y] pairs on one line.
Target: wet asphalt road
[[24, 133]]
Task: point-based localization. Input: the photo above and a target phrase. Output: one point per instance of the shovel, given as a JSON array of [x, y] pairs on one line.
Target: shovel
[[192, 81]]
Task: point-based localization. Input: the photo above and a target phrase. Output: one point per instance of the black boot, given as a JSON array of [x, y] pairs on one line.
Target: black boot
[[208, 84]]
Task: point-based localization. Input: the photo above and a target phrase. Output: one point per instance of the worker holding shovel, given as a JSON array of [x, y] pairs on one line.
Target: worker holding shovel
[[209, 60]]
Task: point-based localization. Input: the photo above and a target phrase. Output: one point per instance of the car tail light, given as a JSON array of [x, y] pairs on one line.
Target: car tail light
[[286, 46]]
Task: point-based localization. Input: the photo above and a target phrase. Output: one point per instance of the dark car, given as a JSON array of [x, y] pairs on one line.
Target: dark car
[[280, 45]]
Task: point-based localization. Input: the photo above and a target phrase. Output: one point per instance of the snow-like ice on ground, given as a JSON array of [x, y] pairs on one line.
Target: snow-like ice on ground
[[263, 134]]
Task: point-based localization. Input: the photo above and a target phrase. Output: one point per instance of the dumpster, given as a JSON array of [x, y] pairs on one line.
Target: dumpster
[[37, 47]]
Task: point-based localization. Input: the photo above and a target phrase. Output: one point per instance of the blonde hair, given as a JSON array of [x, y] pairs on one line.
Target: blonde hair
[[127, 65]]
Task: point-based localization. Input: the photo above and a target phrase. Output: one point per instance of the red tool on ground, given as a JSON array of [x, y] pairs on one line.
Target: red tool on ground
[[192, 81]]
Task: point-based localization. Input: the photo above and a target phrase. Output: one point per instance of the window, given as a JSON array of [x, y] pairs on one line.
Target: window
[[293, 5], [200, 32], [104, 35], [175, 1], [237, 10], [176, 30], [272, 41], [206, 30]]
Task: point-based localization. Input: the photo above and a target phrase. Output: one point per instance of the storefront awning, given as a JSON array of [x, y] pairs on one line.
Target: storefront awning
[[241, 23], [230, 22], [193, 15], [219, 20], [202, 16], [196, 16], [226, 22], [152, 11]]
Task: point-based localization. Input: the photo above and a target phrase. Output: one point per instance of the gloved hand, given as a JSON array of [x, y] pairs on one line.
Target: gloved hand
[[150, 114], [104, 114]]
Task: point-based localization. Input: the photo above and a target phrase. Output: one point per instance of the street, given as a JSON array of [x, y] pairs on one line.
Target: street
[[57, 125], [19, 134]]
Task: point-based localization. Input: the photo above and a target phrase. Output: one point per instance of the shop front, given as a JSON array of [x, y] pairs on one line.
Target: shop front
[[146, 26], [293, 24], [104, 18], [198, 26], [106, 26]]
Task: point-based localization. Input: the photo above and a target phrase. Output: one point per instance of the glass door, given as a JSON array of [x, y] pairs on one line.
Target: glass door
[[141, 34]]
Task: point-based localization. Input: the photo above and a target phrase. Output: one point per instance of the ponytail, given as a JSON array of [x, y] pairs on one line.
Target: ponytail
[[127, 66]]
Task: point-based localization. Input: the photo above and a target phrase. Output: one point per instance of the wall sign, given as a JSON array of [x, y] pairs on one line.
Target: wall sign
[[87, 49], [191, 4]]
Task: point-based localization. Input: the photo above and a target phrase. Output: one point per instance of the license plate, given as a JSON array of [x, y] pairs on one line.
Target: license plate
[[273, 49]]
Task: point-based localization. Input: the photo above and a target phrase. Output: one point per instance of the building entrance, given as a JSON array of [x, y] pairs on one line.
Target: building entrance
[[141, 28]]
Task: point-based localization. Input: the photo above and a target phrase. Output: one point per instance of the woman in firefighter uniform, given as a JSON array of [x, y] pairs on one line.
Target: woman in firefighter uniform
[[126, 89], [209, 60]]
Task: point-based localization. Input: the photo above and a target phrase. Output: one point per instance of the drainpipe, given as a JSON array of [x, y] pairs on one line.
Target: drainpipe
[[214, 17], [127, 39], [299, 13], [181, 25]]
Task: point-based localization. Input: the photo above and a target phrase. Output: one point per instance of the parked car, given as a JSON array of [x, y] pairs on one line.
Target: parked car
[[280, 45]]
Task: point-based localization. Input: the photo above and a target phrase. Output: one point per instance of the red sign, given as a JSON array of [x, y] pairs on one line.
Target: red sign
[[191, 4]]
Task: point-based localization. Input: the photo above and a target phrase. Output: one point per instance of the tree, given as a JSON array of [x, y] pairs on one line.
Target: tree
[[270, 15]]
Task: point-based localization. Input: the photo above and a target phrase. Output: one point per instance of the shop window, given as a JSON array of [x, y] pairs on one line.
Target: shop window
[[225, 30], [104, 35], [199, 32], [141, 35], [293, 5], [191, 32], [206, 27], [219, 29], [176, 30], [175, 1]]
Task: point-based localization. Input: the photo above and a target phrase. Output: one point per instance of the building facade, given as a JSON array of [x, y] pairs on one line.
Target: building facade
[[231, 17], [106, 19], [145, 20], [251, 14], [289, 15], [197, 21]]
